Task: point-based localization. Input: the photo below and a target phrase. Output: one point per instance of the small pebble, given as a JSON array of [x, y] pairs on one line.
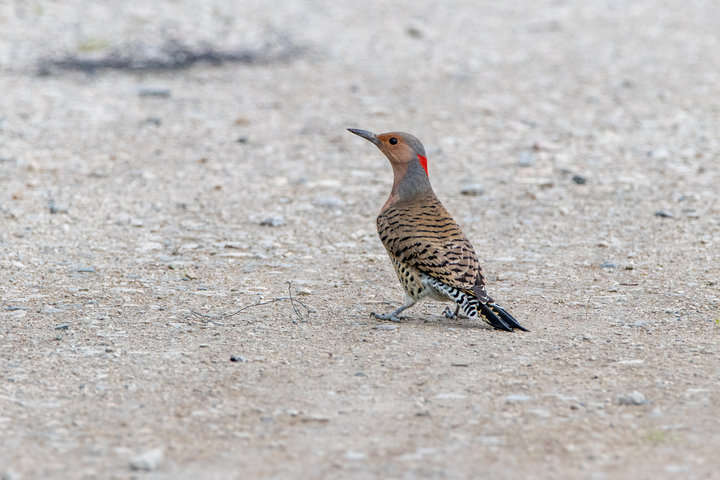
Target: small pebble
[[315, 418], [663, 214], [351, 455], [329, 202], [154, 92], [579, 179], [9, 475], [661, 153], [385, 327], [489, 440], [147, 461], [273, 221], [414, 31], [57, 208], [472, 189], [526, 159], [632, 361], [516, 398], [632, 398], [84, 269]]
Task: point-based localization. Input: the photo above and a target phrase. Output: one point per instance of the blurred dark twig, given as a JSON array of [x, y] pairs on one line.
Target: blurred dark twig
[[173, 55]]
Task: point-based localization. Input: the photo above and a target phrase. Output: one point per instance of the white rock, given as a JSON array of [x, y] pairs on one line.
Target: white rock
[[632, 398], [147, 461], [516, 398], [352, 455], [332, 202], [9, 475]]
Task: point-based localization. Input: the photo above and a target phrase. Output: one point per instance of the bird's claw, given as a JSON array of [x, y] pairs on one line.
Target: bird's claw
[[386, 316], [453, 315]]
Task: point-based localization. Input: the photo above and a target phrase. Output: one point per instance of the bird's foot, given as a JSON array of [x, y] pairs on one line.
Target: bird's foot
[[387, 316], [448, 312]]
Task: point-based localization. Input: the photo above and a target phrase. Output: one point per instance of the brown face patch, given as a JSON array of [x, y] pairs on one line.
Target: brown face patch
[[395, 147]]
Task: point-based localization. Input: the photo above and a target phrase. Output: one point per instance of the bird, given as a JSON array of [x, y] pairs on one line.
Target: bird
[[431, 255]]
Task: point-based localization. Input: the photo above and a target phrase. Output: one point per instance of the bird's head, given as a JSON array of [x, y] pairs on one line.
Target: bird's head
[[402, 149]]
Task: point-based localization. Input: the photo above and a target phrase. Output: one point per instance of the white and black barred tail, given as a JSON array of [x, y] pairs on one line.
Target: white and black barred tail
[[498, 317], [472, 307]]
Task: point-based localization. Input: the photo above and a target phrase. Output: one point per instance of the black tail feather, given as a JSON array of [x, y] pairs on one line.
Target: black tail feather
[[493, 319], [471, 305], [506, 317]]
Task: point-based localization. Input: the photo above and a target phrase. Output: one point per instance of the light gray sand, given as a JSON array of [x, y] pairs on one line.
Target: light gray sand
[[159, 201]]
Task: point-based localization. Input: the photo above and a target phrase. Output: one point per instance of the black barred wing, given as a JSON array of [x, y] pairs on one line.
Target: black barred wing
[[424, 235]]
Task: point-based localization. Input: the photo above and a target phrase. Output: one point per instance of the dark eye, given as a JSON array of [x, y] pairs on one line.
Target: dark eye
[[392, 140]]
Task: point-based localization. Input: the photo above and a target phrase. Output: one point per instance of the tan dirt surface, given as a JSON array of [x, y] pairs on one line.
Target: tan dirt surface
[[130, 199]]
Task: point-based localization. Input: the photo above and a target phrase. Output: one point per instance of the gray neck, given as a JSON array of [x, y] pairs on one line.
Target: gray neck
[[412, 183]]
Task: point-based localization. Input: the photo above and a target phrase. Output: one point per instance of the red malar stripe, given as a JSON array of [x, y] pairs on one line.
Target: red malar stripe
[[423, 162]]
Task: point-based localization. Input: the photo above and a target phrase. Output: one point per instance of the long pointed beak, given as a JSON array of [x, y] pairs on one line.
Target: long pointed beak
[[366, 135]]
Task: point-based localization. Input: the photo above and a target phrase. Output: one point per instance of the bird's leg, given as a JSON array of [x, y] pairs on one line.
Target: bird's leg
[[450, 314], [393, 316]]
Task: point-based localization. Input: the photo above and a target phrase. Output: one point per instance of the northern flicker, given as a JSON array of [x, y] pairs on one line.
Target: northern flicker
[[431, 255]]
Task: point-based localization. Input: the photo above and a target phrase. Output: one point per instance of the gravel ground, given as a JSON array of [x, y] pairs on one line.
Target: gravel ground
[[149, 204]]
